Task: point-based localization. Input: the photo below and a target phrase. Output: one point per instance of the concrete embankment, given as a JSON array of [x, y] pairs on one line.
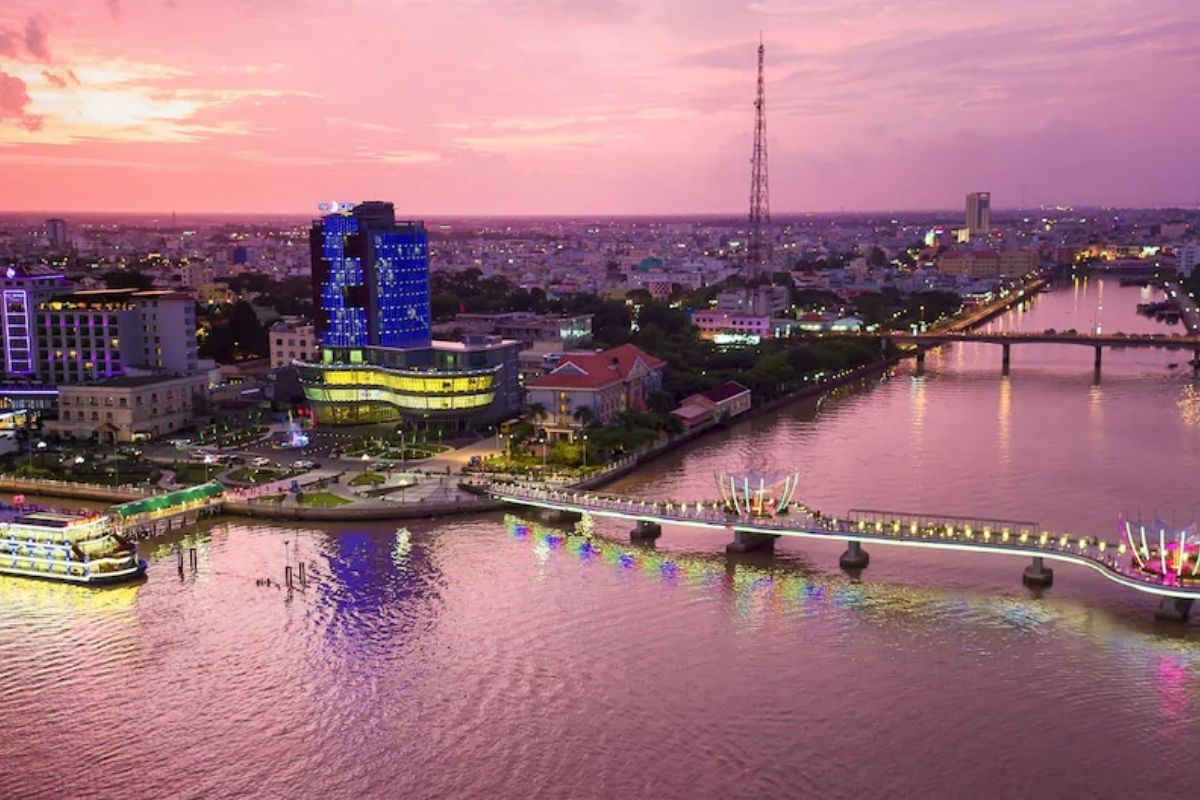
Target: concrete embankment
[[356, 512], [671, 444], [78, 491], [875, 368]]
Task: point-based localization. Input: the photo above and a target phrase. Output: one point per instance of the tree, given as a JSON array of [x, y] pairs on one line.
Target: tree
[[537, 412], [584, 416], [660, 402], [127, 279], [249, 335]]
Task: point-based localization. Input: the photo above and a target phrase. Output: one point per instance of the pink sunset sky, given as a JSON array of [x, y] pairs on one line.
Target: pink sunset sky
[[594, 106]]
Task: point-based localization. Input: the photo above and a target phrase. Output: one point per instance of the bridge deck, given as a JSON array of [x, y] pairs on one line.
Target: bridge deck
[[1110, 559]]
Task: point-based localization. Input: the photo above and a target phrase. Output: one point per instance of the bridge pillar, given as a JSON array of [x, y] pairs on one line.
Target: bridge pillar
[[1173, 609], [1004, 358], [1099, 350], [920, 359], [645, 531], [1037, 573], [854, 557], [749, 542]]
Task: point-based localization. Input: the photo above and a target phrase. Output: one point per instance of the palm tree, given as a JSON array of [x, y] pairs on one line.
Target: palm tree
[[537, 412], [584, 416]]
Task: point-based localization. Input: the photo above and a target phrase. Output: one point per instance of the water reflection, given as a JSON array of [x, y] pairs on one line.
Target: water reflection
[[781, 587], [1189, 405], [1003, 419]]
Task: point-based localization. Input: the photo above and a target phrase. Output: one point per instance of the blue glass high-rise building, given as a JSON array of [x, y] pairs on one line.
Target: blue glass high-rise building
[[378, 363], [370, 279]]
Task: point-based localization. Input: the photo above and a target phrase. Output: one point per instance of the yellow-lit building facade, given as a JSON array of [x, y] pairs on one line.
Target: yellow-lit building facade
[[447, 386]]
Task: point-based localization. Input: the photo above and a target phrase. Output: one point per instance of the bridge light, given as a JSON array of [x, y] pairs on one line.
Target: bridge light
[[878, 527], [1103, 545], [1042, 539], [1024, 537], [1121, 548], [895, 527], [912, 529], [1004, 535]]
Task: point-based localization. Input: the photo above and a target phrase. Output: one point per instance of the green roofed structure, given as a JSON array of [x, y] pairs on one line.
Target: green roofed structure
[[170, 502]]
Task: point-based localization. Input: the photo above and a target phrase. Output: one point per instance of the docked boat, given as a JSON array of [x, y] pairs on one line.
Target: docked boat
[[72, 548]]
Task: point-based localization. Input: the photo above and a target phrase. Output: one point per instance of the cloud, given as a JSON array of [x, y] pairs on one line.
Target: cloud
[[14, 102], [741, 56], [61, 158], [36, 38], [14, 96], [10, 43], [531, 142], [402, 156], [270, 157], [55, 80]]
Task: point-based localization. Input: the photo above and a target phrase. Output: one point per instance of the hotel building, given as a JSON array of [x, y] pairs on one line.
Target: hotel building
[[377, 360]]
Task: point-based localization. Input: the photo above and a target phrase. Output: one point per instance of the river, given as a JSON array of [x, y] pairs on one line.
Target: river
[[485, 657]]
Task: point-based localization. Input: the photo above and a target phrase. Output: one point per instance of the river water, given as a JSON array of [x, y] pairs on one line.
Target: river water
[[488, 657]]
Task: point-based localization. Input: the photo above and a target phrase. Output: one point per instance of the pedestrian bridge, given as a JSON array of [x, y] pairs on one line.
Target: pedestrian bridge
[[1134, 565]]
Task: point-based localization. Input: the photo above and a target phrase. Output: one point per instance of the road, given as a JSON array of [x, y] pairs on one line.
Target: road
[[1188, 311]]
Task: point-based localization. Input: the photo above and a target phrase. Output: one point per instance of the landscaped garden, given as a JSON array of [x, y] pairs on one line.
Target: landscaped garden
[[368, 479], [321, 500], [255, 475], [394, 447], [86, 467]]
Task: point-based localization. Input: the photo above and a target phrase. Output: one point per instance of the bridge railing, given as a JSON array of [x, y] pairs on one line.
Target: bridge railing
[[1113, 557], [868, 518], [947, 531]]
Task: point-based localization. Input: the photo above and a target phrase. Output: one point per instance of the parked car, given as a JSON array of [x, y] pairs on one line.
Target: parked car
[[261, 461]]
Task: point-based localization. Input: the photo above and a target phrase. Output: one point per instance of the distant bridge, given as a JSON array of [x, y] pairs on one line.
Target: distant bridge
[[1098, 341], [1116, 561]]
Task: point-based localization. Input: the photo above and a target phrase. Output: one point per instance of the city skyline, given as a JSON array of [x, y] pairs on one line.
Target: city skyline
[[577, 108]]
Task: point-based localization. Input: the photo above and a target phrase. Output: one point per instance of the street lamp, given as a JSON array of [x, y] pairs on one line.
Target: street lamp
[[585, 451], [542, 442]]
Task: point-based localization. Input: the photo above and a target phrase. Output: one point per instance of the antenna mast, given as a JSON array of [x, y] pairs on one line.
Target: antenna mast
[[758, 250]]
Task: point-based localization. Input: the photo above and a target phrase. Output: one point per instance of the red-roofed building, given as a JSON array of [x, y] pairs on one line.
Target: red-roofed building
[[725, 400], [605, 383]]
